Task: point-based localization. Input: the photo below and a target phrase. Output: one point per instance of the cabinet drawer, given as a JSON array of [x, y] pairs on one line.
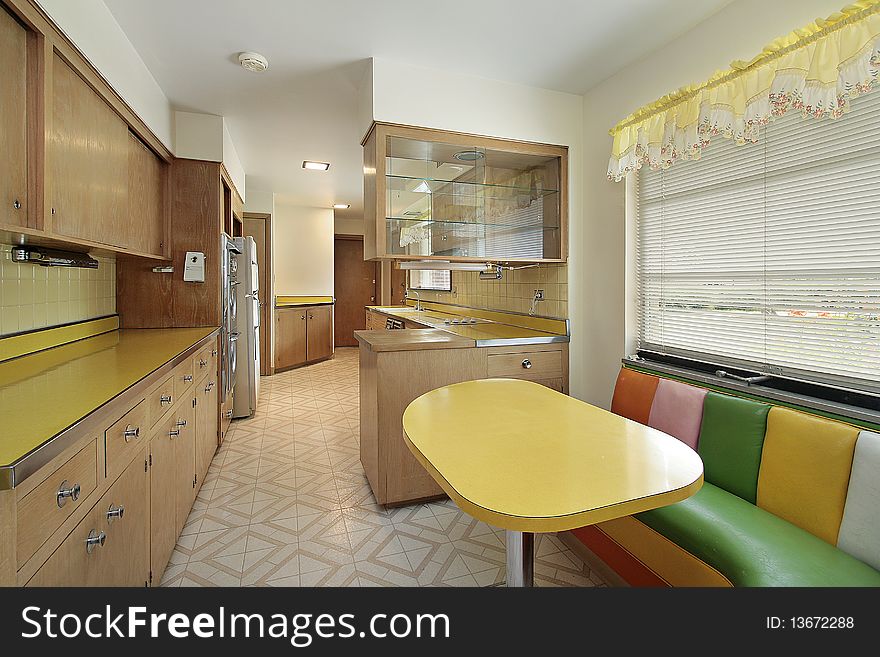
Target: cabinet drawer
[[204, 362], [183, 376], [160, 400], [42, 511], [124, 438], [531, 365], [120, 517]]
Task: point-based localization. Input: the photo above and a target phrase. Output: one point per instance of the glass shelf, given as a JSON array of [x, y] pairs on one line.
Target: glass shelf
[[439, 186]]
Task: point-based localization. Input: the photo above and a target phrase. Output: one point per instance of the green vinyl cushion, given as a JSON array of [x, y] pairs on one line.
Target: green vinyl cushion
[[731, 439], [752, 547]]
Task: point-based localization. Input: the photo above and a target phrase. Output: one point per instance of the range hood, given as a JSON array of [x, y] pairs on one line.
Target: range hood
[[38, 255]]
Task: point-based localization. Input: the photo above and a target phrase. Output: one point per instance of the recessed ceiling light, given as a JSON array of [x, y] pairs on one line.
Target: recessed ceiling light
[[341, 206], [469, 156], [316, 166], [253, 61]]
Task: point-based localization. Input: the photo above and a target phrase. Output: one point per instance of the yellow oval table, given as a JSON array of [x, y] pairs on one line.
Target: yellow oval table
[[525, 458]]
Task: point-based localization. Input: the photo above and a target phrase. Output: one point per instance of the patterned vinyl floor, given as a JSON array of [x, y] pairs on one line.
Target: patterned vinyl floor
[[286, 503]]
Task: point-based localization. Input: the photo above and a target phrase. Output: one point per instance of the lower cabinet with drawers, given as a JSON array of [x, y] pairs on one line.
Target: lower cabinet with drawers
[[391, 379], [107, 511]]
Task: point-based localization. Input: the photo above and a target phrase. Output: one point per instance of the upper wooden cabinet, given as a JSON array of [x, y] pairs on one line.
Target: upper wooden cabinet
[[78, 166], [13, 121], [437, 195], [88, 162]]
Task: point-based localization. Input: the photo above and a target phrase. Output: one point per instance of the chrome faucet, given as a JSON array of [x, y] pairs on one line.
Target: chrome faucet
[[418, 299]]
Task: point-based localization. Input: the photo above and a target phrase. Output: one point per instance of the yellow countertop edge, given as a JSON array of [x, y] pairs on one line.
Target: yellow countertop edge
[[550, 523], [15, 346], [283, 300], [533, 322]]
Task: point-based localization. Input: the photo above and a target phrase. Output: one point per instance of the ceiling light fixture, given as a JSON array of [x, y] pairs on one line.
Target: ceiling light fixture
[[315, 166], [253, 61], [341, 206], [469, 156]]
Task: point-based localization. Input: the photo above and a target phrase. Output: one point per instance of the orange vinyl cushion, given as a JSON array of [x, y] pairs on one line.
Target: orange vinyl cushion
[[805, 470], [634, 395]]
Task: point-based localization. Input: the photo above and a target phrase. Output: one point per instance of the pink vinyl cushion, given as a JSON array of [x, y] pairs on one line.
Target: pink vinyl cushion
[[678, 411]]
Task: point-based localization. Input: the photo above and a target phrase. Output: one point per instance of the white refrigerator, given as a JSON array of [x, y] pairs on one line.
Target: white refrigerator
[[247, 374]]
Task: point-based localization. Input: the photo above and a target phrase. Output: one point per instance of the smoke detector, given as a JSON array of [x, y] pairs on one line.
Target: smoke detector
[[253, 61]]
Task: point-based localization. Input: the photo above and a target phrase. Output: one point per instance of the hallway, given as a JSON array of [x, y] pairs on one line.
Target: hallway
[[286, 503]]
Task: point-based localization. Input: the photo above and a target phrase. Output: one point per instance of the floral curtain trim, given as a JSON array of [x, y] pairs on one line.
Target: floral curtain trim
[[817, 70]]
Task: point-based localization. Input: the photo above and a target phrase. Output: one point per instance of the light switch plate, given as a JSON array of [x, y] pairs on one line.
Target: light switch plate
[[194, 270]]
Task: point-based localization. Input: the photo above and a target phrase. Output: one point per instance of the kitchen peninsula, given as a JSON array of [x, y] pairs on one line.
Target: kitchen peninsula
[[439, 346]]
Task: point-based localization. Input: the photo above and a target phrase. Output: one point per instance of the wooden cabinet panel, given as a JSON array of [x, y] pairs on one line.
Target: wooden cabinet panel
[[206, 426], [290, 337], [146, 199], [163, 501], [122, 559], [183, 378], [124, 437], [39, 512], [531, 365], [319, 328], [88, 162], [184, 422], [13, 122], [160, 400]]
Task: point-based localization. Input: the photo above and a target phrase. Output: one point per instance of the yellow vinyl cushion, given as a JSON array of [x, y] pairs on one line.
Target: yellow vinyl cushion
[[805, 468]]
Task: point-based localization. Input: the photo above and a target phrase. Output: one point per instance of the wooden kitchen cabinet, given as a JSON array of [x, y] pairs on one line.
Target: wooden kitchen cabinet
[[206, 426], [290, 337], [119, 555], [319, 329], [147, 211], [13, 122], [88, 162], [303, 334]]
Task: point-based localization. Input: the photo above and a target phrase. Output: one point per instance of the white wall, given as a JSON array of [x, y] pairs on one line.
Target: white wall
[[232, 163], [348, 226], [206, 137], [91, 26], [439, 99], [302, 249], [739, 31]]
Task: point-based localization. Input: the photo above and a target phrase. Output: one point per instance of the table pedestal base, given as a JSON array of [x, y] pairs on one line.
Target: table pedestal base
[[520, 559]]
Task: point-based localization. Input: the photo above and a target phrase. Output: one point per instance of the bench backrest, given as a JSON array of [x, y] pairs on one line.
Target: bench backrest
[[819, 474]]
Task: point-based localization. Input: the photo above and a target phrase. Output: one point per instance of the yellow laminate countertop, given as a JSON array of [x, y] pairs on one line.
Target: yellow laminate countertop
[[417, 339], [520, 456], [482, 333], [43, 394], [294, 302]]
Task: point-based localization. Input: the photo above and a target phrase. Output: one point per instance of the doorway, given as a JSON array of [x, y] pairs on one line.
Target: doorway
[[354, 287], [259, 226]]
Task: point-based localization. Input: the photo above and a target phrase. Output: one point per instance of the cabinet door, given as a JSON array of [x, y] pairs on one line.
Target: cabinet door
[[13, 121], [184, 422], [146, 198], [320, 332], [123, 558], [88, 162], [290, 337], [163, 500], [207, 413]]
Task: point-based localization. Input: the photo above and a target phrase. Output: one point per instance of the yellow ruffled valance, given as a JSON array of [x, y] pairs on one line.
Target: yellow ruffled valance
[[817, 69]]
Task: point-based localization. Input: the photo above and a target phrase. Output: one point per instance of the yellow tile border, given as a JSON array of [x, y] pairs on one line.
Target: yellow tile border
[[23, 344]]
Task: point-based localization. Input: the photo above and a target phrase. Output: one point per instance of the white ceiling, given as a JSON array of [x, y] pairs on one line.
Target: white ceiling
[[304, 106]]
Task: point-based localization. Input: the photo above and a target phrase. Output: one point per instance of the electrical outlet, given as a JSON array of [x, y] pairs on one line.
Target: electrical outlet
[[539, 295]]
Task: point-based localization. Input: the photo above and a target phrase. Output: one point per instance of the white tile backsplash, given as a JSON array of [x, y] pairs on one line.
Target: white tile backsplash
[[34, 297]]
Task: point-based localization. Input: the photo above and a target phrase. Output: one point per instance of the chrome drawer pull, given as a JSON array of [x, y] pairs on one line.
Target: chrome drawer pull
[[131, 432], [187, 378], [527, 364], [229, 414], [95, 538], [115, 512], [203, 363], [209, 387], [181, 423], [165, 399], [174, 432], [213, 352], [65, 491]]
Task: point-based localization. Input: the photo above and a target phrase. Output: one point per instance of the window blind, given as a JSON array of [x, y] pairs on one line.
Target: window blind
[[767, 256], [430, 279]]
